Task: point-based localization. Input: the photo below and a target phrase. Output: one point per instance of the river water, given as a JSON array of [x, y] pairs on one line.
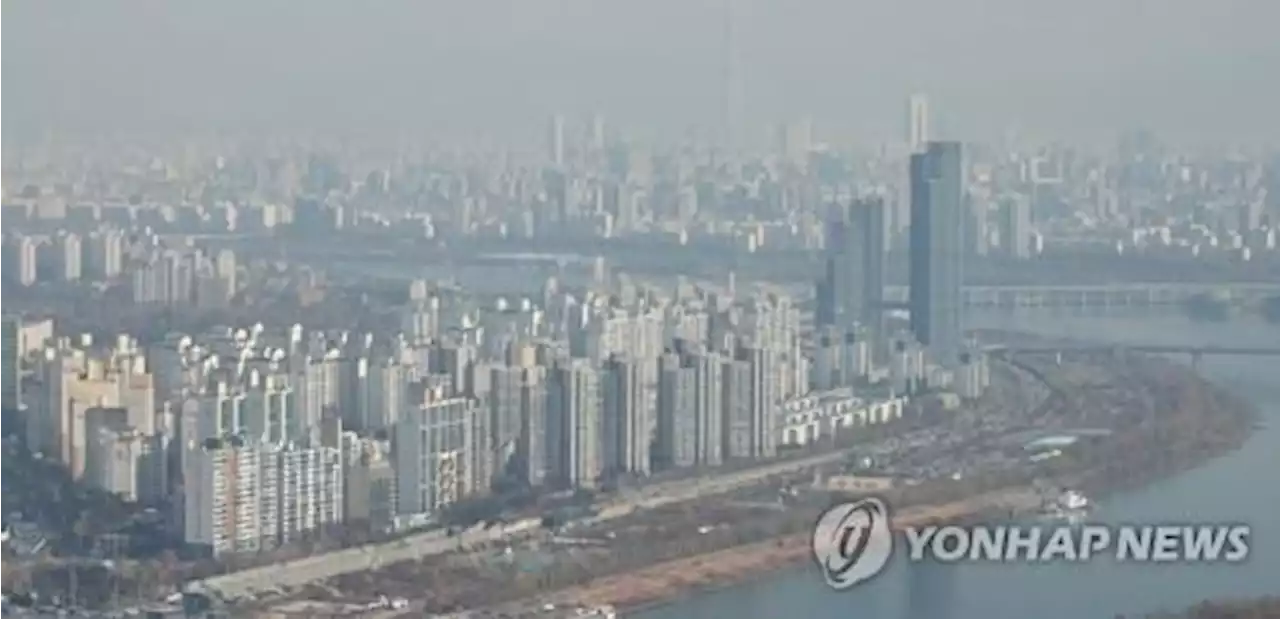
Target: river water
[[1243, 486]]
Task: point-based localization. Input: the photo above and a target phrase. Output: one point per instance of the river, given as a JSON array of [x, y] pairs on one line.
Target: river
[[1238, 487]]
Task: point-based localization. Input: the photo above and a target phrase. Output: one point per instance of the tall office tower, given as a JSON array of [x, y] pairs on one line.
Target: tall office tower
[[852, 288], [917, 123], [751, 384], [627, 417], [937, 250], [433, 444], [732, 84], [11, 365], [574, 424], [690, 408], [1015, 227], [555, 141]]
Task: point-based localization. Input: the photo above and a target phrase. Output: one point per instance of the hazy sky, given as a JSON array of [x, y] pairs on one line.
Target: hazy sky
[[1065, 67]]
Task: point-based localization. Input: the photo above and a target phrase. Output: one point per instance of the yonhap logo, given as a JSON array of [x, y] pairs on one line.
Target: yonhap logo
[[852, 542]]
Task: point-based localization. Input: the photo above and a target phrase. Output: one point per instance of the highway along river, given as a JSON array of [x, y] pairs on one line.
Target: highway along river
[[1243, 486]]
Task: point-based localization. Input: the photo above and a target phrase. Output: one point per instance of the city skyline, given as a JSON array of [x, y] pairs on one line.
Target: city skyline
[[527, 307], [438, 64]]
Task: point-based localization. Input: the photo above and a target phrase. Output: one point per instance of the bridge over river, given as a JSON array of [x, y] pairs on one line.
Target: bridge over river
[[1195, 352], [1137, 294]]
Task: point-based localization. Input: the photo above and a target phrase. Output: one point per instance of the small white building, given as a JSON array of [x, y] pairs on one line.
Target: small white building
[[818, 415]]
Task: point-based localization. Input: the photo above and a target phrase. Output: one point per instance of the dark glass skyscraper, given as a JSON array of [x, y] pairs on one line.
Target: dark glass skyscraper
[[852, 286], [937, 249]]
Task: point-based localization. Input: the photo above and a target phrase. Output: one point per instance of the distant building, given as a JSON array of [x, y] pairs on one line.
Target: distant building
[[22, 259], [1015, 227], [11, 364], [70, 255], [917, 123], [556, 141], [104, 254], [977, 233], [973, 375], [937, 249], [851, 290]]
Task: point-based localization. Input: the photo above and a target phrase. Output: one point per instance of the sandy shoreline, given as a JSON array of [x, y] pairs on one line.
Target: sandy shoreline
[[667, 581]]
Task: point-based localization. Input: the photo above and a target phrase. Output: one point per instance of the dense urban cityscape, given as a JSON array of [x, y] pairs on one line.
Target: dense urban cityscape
[[274, 376]]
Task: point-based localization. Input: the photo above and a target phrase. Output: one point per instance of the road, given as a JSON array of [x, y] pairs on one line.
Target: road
[[321, 567]]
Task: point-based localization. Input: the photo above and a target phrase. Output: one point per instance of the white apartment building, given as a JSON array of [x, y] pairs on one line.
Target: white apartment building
[[248, 496], [73, 382]]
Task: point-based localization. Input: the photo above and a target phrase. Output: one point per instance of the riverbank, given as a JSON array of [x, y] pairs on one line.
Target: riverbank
[[1139, 418], [1197, 422], [657, 583], [1263, 608]]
